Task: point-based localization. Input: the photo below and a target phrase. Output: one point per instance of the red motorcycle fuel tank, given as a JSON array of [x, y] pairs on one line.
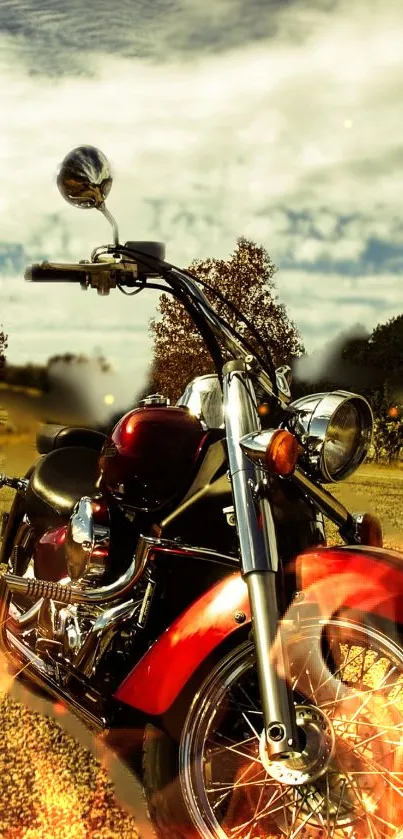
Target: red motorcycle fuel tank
[[150, 455]]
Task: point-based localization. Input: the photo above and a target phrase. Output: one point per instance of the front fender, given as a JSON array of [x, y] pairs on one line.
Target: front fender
[[361, 579], [366, 579], [158, 678]]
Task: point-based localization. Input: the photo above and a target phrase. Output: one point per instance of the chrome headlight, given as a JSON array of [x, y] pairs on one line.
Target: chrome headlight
[[336, 429]]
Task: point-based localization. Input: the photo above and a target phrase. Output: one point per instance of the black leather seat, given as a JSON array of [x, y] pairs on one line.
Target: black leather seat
[[58, 481], [51, 436]]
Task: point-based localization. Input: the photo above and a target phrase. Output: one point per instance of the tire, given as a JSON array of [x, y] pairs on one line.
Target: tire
[[217, 783]]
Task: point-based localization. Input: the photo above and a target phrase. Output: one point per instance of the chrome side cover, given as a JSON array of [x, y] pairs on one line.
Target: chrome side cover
[[86, 542]]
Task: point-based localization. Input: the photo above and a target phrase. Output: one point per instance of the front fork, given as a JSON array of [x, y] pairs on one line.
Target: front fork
[[259, 563]]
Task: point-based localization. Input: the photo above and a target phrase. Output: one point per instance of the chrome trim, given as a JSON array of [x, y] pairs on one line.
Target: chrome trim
[[258, 545], [154, 399], [203, 397], [85, 178], [314, 416], [283, 380], [20, 484], [85, 535], [254, 445], [259, 559], [146, 603], [42, 674], [146, 547], [276, 704], [99, 637], [27, 620], [79, 538]]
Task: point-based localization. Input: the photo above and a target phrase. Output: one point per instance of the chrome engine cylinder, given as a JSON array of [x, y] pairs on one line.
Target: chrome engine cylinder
[[87, 540]]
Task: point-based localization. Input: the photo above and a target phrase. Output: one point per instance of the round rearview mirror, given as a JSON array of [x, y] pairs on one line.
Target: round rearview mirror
[[85, 177]]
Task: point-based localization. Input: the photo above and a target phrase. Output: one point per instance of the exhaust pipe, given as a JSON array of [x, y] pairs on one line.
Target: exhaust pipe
[[69, 594], [146, 547], [18, 651], [25, 621]]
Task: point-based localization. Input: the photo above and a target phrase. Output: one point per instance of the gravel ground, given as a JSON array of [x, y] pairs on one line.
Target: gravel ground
[[51, 787], [59, 780], [374, 489]]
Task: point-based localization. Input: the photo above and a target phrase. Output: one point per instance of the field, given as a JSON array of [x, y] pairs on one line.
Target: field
[[374, 489]]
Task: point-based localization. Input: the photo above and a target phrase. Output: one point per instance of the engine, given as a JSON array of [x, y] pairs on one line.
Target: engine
[[148, 461], [98, 545], [87, 541]]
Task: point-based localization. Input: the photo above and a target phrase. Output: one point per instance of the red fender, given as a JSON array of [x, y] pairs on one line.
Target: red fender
[[160, 675], [368, 579]]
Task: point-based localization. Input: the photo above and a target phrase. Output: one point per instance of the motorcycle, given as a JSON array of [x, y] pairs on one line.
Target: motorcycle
[[172, 578]]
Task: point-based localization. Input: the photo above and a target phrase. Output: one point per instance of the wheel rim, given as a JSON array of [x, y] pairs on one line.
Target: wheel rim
[[357, 685]]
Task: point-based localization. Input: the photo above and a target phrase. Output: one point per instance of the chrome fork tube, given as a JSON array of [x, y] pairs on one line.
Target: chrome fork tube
[[259, 562]]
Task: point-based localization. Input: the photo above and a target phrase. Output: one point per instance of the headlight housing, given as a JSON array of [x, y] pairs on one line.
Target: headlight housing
[[336, 431]]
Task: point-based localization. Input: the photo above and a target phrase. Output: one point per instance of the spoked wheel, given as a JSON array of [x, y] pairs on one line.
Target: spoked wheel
[[347, 783]]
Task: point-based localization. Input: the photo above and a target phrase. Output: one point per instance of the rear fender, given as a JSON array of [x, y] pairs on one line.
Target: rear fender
[[330, 579]]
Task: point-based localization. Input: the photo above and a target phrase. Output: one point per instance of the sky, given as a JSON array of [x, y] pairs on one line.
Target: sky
[[280, 121]]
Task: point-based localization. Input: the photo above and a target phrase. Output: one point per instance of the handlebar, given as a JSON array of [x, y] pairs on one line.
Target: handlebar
[[55, 273], [100, 275], [106, 275]]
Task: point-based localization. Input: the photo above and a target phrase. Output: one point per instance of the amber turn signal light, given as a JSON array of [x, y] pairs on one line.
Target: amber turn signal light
[[282, 453]]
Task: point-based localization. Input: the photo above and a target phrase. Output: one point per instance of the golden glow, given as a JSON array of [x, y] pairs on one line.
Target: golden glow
[[109, 399], [57, 789], [230, 598]]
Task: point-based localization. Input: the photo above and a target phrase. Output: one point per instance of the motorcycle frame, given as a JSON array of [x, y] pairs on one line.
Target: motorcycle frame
[[257, 544], [366, 580]]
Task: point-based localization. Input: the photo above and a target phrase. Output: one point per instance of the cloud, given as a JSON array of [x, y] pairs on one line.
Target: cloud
[[290, 135], [60, 37], [323, 306]]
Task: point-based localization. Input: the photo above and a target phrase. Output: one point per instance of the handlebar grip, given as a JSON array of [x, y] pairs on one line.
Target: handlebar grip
[[55, 273]]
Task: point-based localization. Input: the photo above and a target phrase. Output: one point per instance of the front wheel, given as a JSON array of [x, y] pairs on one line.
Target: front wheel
[[218, 782]]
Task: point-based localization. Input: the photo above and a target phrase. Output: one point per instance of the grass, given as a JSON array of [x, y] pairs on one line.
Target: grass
[[374, 489]]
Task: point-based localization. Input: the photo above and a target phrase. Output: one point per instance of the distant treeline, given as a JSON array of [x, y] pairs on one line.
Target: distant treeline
[[41, 376], [371, 365], [368, 364]]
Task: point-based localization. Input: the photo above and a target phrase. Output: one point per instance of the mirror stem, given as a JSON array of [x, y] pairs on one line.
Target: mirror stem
[[105, 212]]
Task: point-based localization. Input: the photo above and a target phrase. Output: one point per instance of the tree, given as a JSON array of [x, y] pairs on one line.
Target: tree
[[246, 279], [3, 347], [385, 346], [370, 364]]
